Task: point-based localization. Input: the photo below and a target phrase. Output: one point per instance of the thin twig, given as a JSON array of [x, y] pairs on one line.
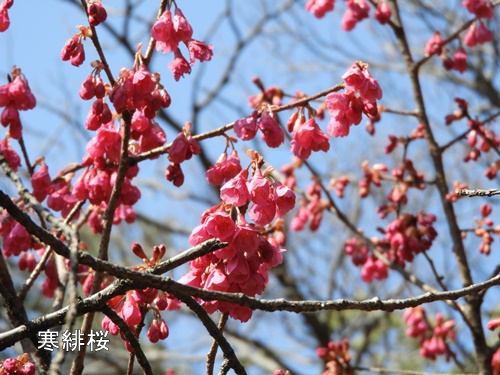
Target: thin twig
[[477, 192], [129, 335], [212, 353], [223, 129], [212, 329]]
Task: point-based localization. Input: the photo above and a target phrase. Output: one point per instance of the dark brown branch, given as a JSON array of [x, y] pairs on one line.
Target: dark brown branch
[[129, 335], [144, 280], [472, 309], [212, 352]]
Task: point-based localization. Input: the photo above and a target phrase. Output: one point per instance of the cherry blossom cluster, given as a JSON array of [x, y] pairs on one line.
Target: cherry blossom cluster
[[135, 304], [169, 32], [339, 184], [272, 95], [485, 228], [346, 109], [4, 14], [371, 267], [435, 46], [73, 50], [394, 141], [408, 236], [371, 175], [18, 242], [480, 138], [311, 209], [139, 92], [477, 33], [362, 93], [224, 169], [271, 132], [242, 266], [306, 136], [336, 357], [96, 12], [458, 114], [183, 148], [18, 366], [404, 238], [16, 238], [15, 96], [10, 154], [433, 341], [404, 177], [357, 10]]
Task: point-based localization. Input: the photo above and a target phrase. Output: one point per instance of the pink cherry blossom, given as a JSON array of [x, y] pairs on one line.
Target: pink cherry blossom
[[354, 78], [164, 33], [357, 11], [383, 12], [337, 105], [131, 313], [179, 66], [246, 128], [174, 174], [374, 269], [220, 225], [164, 329], [97, 13], [370, 91], [41, 183], [259, 188], [308, 137], [153, 137], [10, 155], [87, 90], [142, 81], [10, 117], [140, 122], [99, 114], [263, 214], [272, 133], [477, 35], [483, 34], [319, 7], [4, 19], [183, 148], [460, 60], [154, 331], [182, 27], [480, 8], [21, 95], [235, 191], [224, 169], [199, 51], [434, 45], [16, 239], [284, 197]]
